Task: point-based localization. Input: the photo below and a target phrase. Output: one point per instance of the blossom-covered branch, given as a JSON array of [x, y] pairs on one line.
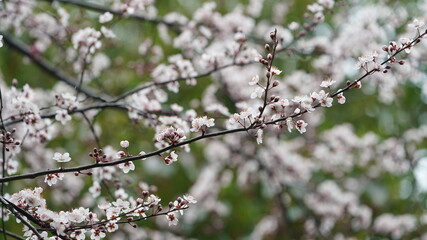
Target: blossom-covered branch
[[207, 135]]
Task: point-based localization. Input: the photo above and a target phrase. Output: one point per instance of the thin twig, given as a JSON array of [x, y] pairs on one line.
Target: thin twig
[[92, 129]]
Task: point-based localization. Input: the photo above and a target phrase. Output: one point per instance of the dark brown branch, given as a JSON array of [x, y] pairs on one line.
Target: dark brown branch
[[11, 208], [80, 110], [102, 9], [48, 67], [104, 164], [100, 106], [12, 235], [124, 222]]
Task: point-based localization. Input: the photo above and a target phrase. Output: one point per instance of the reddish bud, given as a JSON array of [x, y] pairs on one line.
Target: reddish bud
[[273, 35], [302, 34]]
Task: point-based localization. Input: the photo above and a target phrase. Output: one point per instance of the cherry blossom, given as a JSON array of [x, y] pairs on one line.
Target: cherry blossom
[[97, 234], [327, 83], [172, 219], [417, 24], [341, 98], [259, 136], [257, 93], [172, 157], [61, 157], [254, 80], [300, 125], [62, 116], [275, 70], [111, 226], [87, 40], [12, 166], [124, 144], [106, 17], [52, 179], [127, 166], [201, 124]]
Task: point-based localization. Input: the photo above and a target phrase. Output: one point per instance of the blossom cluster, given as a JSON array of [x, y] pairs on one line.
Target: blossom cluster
[[80, 222]]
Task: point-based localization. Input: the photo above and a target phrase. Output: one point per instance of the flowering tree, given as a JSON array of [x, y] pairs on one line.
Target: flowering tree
[[136, 119]]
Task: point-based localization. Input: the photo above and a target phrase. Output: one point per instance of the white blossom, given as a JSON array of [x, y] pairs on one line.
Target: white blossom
[[172, 220], [172, 157], [65, 157], [108, 33], [124, 144], [417, 24], [254, 80], [340, 97], [62, 116], [127, 166], [275, 70], [257, 93], [327, 83], [300, 126], [259, 136], [106, 17], [201, 123]]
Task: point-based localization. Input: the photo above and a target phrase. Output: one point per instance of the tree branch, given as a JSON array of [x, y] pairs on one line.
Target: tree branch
[[48, 67], [102, 9], [12, 235], [11, 208]]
